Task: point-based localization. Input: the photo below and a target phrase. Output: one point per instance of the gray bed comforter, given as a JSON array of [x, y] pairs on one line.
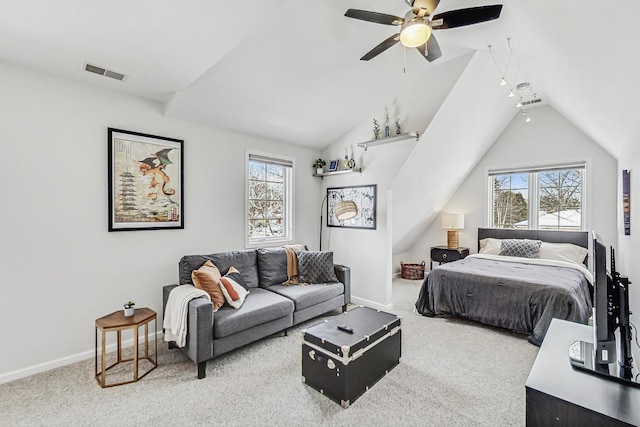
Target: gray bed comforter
[[513, 295]]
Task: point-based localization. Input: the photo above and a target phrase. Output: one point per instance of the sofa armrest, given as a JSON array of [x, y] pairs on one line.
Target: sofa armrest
[[166, 290], [200, 320], [199, 347], [344, 275]]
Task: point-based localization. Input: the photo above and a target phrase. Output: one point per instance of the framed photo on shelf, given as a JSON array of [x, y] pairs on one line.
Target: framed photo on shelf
[[333, 165], [364, 197], [145, 181]]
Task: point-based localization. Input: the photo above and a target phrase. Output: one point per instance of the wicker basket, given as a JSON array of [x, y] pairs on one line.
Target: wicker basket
[[412, 271]]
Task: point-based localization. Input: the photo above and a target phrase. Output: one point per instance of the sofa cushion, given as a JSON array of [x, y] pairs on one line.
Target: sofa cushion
[[244, 260], [234, 293], [260, 306], [206, 278], [309, 295], [272, 266], [316, 267]]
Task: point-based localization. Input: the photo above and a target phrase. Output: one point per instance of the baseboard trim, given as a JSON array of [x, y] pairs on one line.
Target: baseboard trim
[[362, 301], [68, 360]]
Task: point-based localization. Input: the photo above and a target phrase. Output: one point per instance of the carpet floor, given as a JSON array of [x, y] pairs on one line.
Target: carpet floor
[[452, 373]]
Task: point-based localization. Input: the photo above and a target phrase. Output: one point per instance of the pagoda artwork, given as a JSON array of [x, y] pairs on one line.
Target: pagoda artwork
[[145, 181]]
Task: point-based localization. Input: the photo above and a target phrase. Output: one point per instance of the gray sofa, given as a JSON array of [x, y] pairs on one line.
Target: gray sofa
[[269, 308]]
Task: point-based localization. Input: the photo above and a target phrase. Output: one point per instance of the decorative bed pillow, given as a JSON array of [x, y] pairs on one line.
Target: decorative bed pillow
[[234, 293], [490, 246], [207, 278], [316, 267], [563, 252], [523, 248]]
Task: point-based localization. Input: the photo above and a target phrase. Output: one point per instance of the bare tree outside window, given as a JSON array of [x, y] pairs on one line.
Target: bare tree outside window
[[547, 199], [267, 199], [509, 200]]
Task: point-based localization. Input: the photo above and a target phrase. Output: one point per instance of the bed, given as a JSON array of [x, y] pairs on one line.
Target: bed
[[520, 289]]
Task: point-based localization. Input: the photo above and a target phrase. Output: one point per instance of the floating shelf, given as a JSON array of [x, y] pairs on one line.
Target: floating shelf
[[389, 139], [342, 172]]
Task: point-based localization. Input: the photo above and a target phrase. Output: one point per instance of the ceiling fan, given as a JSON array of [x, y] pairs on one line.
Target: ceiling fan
[[416, 25]]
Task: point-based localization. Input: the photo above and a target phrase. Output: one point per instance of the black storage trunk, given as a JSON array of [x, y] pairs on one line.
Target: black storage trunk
[[343, 366]]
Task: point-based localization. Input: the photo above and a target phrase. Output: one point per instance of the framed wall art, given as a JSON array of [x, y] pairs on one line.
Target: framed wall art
[[145, 181], [364, 197], [626, 201]]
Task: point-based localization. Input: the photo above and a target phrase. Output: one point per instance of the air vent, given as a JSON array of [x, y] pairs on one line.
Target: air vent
[[104, 72], [533, 101]]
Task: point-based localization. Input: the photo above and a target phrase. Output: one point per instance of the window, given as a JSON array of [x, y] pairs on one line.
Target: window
[[543, 198], [269, 194]]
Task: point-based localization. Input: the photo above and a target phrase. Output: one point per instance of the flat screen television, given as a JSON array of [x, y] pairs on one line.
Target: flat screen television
[[609, 355]]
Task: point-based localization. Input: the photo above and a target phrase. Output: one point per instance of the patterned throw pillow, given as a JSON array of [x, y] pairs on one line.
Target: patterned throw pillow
[[316, 267], [206, 278], [234, 293], [523, 248]]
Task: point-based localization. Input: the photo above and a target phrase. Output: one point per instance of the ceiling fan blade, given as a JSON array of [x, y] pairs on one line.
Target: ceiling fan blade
[[469, 16], [378, 18], [431, 49], [381, 47], [428, 5]]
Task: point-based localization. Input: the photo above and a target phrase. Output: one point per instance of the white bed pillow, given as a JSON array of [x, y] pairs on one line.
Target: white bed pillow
[[563, 252], [490, 246]]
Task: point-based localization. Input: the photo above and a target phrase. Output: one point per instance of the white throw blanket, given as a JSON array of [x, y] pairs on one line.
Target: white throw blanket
[[175, 314]]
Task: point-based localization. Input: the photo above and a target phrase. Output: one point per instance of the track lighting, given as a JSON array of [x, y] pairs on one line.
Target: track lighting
[[524, 88]]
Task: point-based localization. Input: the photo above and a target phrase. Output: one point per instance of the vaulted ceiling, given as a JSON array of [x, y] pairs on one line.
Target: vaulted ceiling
[[290, 70]]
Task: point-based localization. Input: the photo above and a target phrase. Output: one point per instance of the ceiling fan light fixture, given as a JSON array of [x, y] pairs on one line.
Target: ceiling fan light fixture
[[415, 33]]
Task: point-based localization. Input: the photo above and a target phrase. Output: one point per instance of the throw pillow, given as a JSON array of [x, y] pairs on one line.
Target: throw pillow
[[234, 293], [206, 278], [234, 274], [523, 248], [316, 267]]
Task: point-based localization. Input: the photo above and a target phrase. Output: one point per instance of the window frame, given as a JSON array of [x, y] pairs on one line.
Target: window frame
[[288, 208], [533, 199]]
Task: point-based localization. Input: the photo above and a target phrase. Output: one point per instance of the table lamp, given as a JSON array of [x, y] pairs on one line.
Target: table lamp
[[452, 222]]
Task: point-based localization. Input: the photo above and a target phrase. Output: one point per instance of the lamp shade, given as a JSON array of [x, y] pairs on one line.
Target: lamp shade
[[452, 221], [345, 210]]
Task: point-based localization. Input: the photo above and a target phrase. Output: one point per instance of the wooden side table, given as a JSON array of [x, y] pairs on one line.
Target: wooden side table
[[446, 254], [117, 322]]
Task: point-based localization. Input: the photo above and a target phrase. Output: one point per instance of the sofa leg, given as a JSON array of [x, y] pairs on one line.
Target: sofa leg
[[202, 370], [285, 332], [172, 345], [344, 308]]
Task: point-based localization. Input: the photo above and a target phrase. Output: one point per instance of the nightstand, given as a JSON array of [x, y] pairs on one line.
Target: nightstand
[[446, 254]]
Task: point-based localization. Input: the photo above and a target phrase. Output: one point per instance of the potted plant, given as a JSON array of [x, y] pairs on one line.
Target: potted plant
[[128, 309], [319, 165]]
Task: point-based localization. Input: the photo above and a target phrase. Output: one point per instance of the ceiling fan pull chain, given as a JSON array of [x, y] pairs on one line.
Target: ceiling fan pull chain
[[404, 65]]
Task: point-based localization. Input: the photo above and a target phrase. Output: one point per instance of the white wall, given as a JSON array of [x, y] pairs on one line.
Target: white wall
[[60, 269], [548, 138], [629, 246]]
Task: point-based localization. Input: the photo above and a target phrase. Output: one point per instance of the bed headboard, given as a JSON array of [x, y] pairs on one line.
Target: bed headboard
[[579, 238]]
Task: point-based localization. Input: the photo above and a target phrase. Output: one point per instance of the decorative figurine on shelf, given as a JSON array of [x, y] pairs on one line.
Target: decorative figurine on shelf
[[346, 158], [386, 121], [398, 131], [319, 165], [376, 129]]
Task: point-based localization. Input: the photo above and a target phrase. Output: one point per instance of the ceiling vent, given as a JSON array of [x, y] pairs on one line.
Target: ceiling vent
[[533, 101], [104, 72]]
